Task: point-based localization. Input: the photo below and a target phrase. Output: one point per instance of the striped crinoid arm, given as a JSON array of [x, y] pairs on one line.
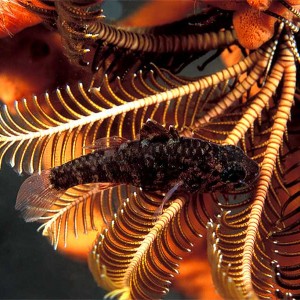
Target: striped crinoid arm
[[156, 43], [276, 253], [283, 232], [122, 244], [92, 42], [226, 286], [226, 237], [243, 237], [138, 255], [250, 265], [98, 46], [40, 135], [119, 61], [81, 213], [44, 10], [286, 62], [241, 88]]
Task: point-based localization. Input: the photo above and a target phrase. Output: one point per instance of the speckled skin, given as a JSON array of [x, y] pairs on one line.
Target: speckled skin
[[252, 26], [160, 160]]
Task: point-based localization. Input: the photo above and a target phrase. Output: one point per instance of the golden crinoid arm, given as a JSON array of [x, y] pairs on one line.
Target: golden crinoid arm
[[283, 235], [75, 116], [286, 65], [225, 285], [75, 218], [283, 72], [262, 57], [119, 261], [138, 255], [258, 124]]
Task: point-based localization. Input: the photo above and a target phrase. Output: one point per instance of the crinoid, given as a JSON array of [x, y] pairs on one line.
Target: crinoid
[[112, 50], [253, 237]]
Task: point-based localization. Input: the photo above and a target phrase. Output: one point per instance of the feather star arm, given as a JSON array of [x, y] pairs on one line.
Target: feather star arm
[[279, 127], [26, 140]]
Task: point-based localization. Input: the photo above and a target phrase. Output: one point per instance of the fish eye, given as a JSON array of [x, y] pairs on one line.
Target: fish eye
[[234, 173]]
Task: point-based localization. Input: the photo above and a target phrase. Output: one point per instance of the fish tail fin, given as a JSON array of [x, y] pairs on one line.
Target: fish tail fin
[[36, 196]]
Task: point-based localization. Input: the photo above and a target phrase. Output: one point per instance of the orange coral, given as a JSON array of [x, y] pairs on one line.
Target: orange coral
[[32, 62], [260, 4], [253, 27]]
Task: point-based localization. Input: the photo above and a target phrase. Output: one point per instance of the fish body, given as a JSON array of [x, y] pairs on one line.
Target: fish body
[[159, 165], [159, 161]]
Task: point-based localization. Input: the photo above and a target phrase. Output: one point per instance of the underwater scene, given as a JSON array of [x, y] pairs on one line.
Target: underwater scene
[[149, 149]]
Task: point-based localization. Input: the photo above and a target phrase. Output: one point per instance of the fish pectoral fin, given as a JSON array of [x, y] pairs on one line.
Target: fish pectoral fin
[[153, 131], [106, 143], [166, 198]]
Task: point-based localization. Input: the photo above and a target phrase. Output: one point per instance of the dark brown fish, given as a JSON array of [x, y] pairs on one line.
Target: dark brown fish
[[160, 160]]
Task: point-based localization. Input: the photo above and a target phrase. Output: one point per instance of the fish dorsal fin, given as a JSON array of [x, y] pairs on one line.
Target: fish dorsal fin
[[106, 143], [153, 131]]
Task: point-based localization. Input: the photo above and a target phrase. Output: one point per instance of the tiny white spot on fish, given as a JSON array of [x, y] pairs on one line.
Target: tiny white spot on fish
[[179, 149]]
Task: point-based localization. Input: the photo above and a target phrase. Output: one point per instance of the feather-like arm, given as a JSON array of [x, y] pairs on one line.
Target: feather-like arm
[[78, 117], [286, 64], [134, 235]]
